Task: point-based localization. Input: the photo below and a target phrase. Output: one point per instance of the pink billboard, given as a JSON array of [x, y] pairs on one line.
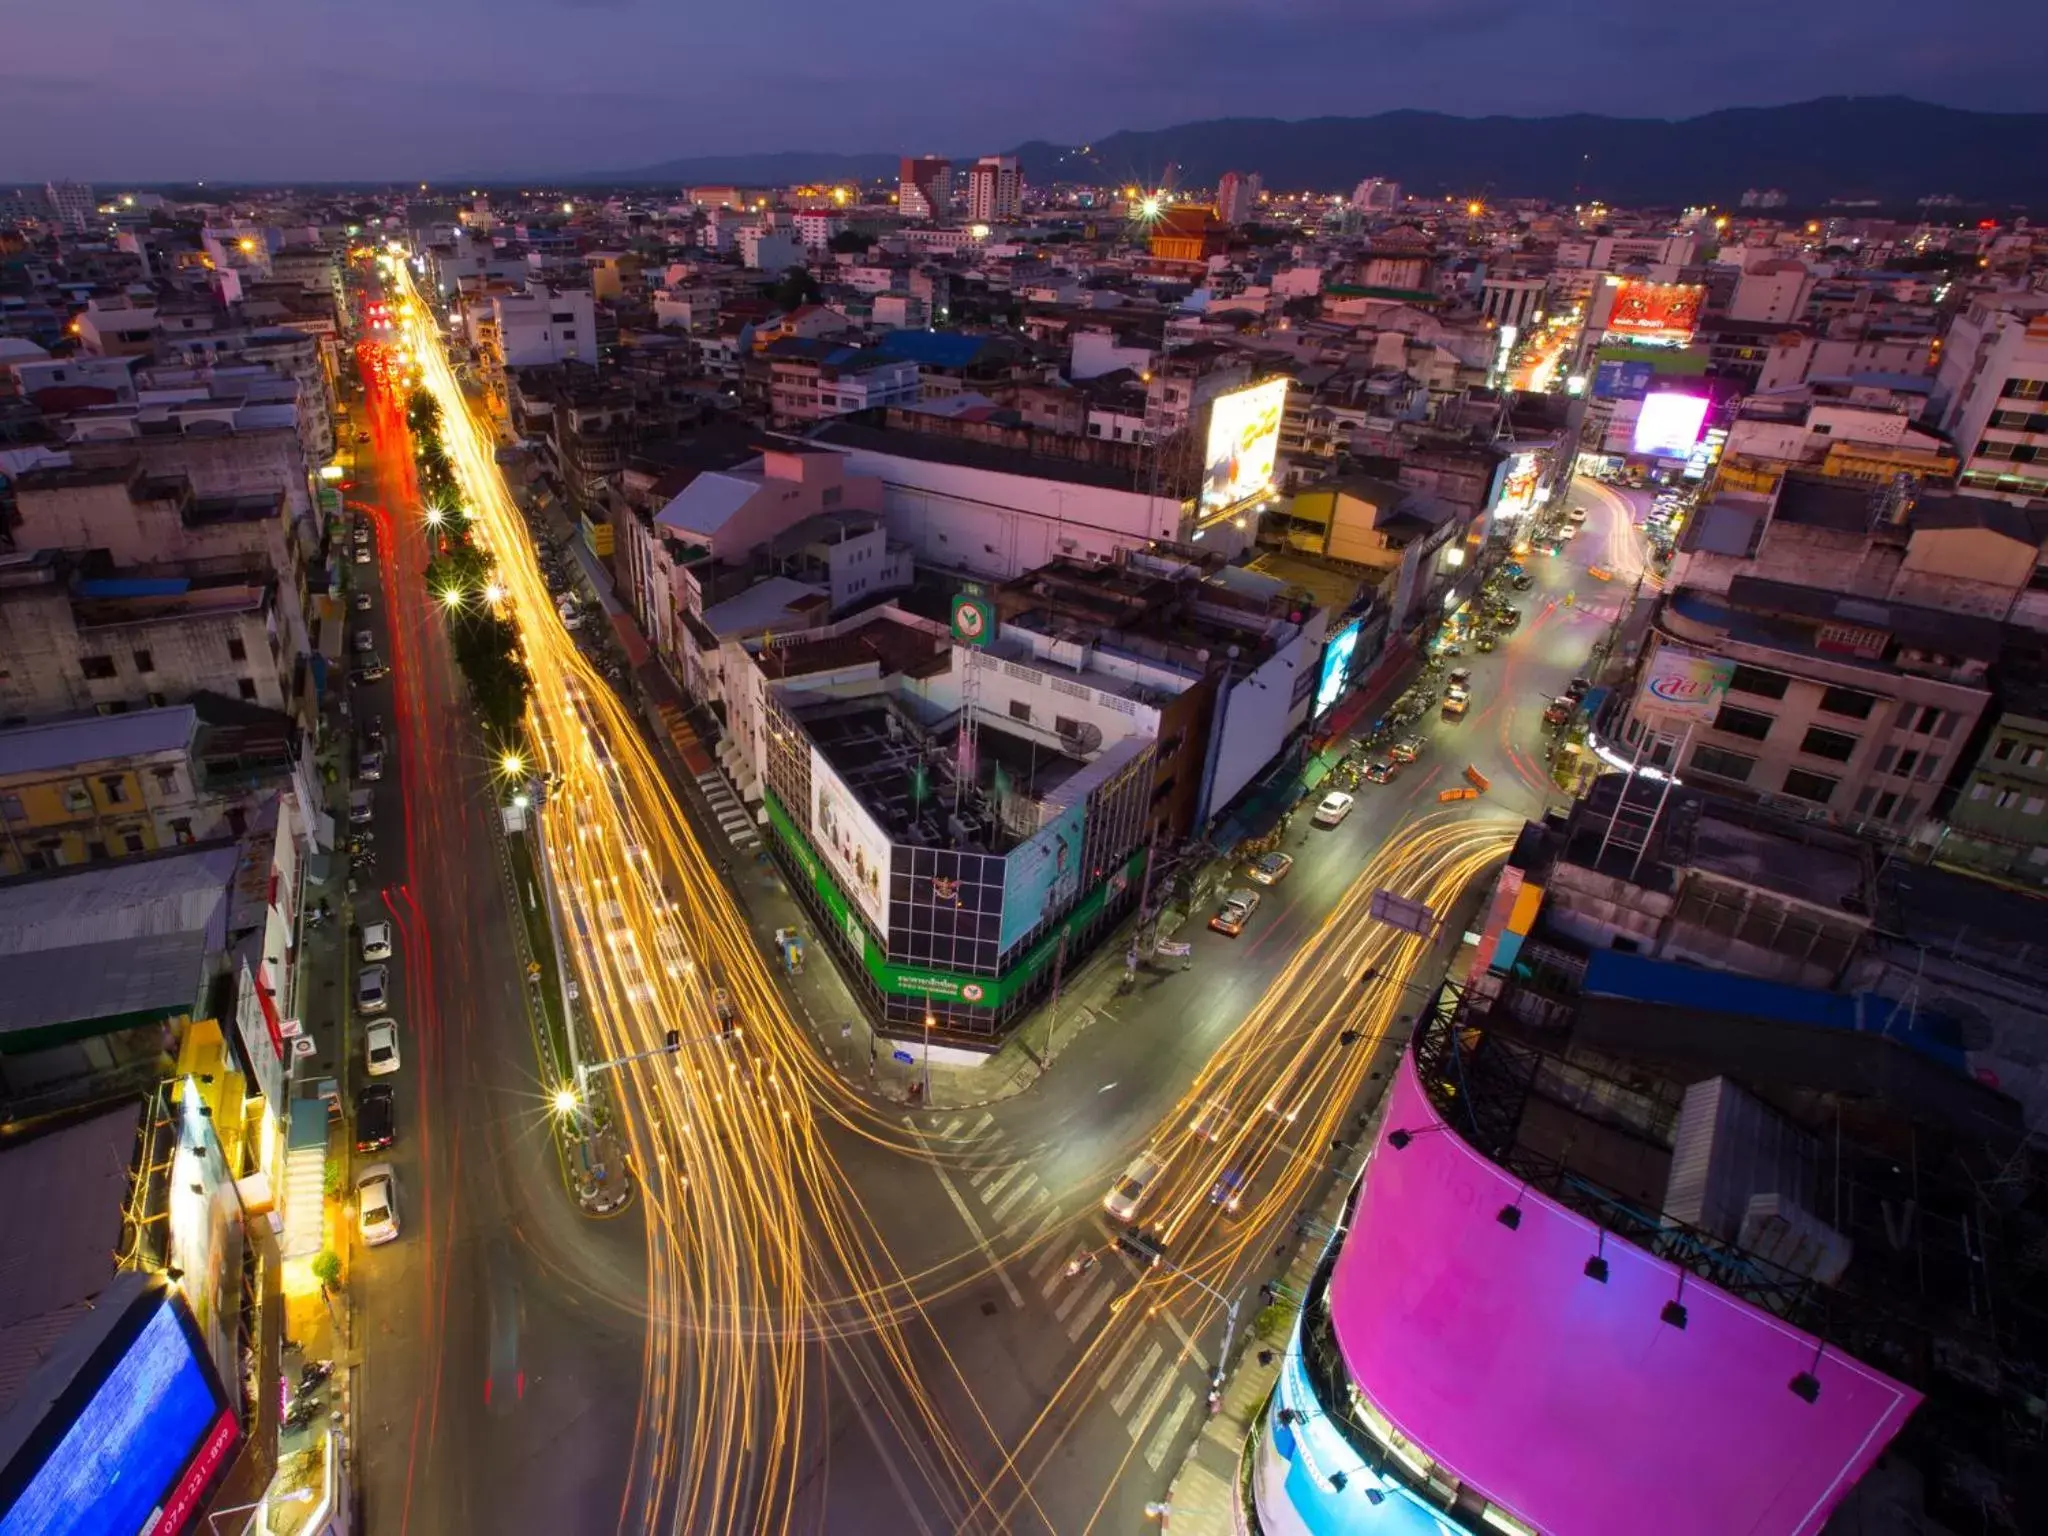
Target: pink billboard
[[1669, 424], [1571, 1402]]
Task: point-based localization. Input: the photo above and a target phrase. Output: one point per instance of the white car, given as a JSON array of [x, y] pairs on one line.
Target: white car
[[376, 942], [380, 1047], [1122, 1200], [371, 768], [373, 989], [377, 1204], [1335, 807]]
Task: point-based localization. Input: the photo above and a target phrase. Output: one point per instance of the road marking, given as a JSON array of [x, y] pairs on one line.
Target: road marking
[[1011, 1199], [946, 1134], [1153, 1400], [996, 1188], [1044, 1261], [1117, 1361], [1105, 1087], [1162, 1438], [967, 1216], [1085, 1318], [1136, 1379]]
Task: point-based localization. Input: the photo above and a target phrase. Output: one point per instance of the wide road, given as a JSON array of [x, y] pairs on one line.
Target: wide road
[[502, 1331]]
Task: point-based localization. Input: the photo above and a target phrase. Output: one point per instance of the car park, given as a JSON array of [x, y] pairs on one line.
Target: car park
[[373, 994], [376, 943], [1270, 868], [1336, 805], [377, 1205], [1129, 1190], [1236, 911], [380, 1048], [376, 1117]]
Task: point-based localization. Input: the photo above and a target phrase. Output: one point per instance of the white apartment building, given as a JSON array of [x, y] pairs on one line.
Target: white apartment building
[[1376, 194], [72, 204], [1772, 292], [1237, 197], [816, 227], [1991, 394], [769, 250], [543, 326], [995, 190]]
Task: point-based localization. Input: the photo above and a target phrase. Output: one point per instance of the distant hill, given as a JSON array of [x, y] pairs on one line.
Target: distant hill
[[1888, 148]]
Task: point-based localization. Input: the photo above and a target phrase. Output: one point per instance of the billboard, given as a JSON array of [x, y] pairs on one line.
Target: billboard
[[852, 844], [135, 1441], [1337, 659], [1622, 380], [1044, 874], [1568, 1400], [1244, 442], [1685, 682], [1669, 424], [1663, 312]]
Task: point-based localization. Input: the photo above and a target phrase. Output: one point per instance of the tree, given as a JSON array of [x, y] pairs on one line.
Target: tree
[[327, 1269], [796, 288], [848, 242]]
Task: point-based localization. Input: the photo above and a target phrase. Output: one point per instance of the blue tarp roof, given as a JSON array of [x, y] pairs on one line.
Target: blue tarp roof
[[939, 349], [1610, 973]]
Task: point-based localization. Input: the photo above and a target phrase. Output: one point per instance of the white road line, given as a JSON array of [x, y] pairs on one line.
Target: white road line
[[1085, 1318], [1052, 1283], [967, 1216], [1002, 1211], [1162, 1438], [1136, 1379], [1045, 1260], [1074, 1293], [946, 1134], [996, 1188], [1117, 1361], [1153, 1400]]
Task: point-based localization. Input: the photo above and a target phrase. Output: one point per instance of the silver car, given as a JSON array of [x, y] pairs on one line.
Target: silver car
[[373, 989]]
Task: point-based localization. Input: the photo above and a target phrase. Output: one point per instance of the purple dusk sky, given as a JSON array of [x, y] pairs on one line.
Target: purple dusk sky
[[112, 90]]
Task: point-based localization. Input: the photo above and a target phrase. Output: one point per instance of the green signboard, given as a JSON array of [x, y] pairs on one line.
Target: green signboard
[[922, 981], [974, 619]]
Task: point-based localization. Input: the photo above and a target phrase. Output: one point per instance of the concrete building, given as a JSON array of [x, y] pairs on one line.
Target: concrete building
[[816, 380], [764, 249], [72, 205], [1237, 198], [1772, 292], [544, 326], [924, 187], [995, 190], [1991, 394], [1376, 194], [1512, 301], [816, 228], [1998, 822], [118, 326]]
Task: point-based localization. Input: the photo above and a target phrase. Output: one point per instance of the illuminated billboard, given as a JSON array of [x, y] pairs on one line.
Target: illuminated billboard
[[851, 843], [1566, 1399], [1685, 682], [1043, 875], [1664, 313], [1669, 425], [135, 1441], [1244, 442], [1337, 658]]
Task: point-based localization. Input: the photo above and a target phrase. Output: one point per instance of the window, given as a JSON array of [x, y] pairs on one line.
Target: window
[[95, 850], [1907, 762], [2004, 747], [1835, 745], [1817, 787], [238, 652], [2024, 389], [181, 829], [77, 797], [1722, 764], [1765, 685], [2031, 806], [1930, 765], [1849, 702], [115, 787], [1744, 722], [144, 662], [246, 687], [1065, 727], [11, 808], [831, 495], [1886, 804], [1979, 790], [1019, 710], [131, 842], [96, 668], [2031, 758], [166, 779], [2007, 798], [1930, 717], [158, 700]]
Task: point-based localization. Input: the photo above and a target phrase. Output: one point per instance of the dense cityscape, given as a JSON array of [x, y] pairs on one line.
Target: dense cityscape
[[1035, 844]]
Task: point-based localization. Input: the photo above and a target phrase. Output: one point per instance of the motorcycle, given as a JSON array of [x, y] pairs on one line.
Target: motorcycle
[[1081, 1263], [315, 1372]]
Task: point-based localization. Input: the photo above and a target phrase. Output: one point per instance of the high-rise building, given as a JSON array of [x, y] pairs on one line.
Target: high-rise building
[[995, 190], [72, 204], [1375, 194], [924, 187], [1989, 394], [1237, 197]]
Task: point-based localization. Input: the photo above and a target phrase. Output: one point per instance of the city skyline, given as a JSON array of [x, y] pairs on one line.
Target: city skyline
[[564, 87]]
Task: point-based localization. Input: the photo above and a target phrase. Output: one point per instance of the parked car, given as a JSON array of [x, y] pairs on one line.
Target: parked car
[[370, 670], [371, 768], [1271, 868], [1577, 514], [376, 1117], [1524, 582], [1408, 748], [362, 554], [361, 809], [1336, 805], [1560, 711], [380, 1048], [1236, 911], [361, 601], [377, 1204], [1485, 642], [376, 944], [1578, 687], [1124, 1195], [373, 994]]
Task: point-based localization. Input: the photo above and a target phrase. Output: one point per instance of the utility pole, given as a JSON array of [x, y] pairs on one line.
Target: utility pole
[[1139, 1245]]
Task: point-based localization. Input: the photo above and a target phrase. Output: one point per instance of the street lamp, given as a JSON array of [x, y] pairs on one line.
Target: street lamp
[[451, 598], [513, 765], [567, 1100], [296, 1496]]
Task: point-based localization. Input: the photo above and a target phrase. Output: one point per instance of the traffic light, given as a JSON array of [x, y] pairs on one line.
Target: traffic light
[[1139, 1244]]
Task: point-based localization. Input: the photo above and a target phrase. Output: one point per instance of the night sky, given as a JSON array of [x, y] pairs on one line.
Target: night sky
[[112, 90]]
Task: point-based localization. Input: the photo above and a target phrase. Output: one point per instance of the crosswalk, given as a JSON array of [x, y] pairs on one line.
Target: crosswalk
[[733, 819], [1149, 1385]]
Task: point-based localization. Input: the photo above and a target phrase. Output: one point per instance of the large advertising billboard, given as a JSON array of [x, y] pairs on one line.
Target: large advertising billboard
[[852, 844], [1685, 682], [1617, 380], [136, 1441], [1568, 1399], [1337, 658], [1669, 424], [1044, 874], [1665, 313], [1244, 443]]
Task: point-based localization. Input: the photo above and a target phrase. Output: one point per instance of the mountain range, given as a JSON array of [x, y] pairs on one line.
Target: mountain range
[[1889, 149]]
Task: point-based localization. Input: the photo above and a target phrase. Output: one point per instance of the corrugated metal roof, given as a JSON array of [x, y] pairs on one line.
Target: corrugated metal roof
[[707, 503], [96, 739]]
